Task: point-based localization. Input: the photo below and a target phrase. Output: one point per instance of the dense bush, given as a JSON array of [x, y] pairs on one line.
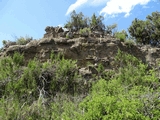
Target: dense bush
[[27, 89], [129, 43], [122, 36], [129, 95], [23, 40], [55, 90], [85, 32]]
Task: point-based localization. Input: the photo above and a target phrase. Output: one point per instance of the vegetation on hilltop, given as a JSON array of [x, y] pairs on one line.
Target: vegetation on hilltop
[[143, 31], [19, 41], [146, 31]]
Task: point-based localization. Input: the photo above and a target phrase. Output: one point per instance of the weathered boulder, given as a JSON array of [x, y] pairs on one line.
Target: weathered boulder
[[53, 32], [48, 29], [63, 34], [50, 32], [69, 35], [76, 34], [58, 29]]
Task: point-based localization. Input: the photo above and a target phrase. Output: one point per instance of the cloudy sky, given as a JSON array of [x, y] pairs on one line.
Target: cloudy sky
[[30, 17]]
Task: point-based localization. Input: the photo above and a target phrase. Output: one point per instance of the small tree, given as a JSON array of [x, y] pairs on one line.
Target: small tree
[[96, 23], [148, 31], [111, 29], [77, 21], [138, 30], [4, 42], [153, 27]]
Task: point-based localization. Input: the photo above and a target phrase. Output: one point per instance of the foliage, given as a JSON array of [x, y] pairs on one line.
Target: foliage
[[85, 32], [125, 96], [153, 26], [55, 90], [129, 43], [79, 21], [138, 30], [96, 23], [23, 40], [18, 41], [111, 29], [26, 88], [4, 42], [148, 31], [121, 35], [7, 43], [18, 59], [100, 68]]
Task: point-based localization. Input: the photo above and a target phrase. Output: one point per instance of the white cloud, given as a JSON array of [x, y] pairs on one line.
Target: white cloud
[[121, 6], [97, 2], [79, 3], [112, 7], [74, 6]]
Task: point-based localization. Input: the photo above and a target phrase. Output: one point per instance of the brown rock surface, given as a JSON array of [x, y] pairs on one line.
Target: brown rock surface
[[84, 50]]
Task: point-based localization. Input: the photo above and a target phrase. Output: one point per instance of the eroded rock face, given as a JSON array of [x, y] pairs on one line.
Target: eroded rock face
[[84, 50], [52, 32], [58, 29], [9, 43]]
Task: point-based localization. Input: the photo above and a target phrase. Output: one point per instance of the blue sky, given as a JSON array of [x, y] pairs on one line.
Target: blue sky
[[30, 17]]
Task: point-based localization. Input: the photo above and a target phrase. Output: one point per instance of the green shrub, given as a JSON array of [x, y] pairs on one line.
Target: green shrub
[[129, 43], [85, 32], [121, 36], [55, 90], [4, 42], [18, 59], [103, 105], [23, 40], [128, 95]]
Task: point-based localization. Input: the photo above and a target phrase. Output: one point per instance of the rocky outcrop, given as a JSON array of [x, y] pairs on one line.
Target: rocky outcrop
[[53, 32], [96, 49], [84, 50], [69, 35]]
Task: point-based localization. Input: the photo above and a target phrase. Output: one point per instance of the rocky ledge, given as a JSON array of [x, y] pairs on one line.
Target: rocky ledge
[[84, 50]]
